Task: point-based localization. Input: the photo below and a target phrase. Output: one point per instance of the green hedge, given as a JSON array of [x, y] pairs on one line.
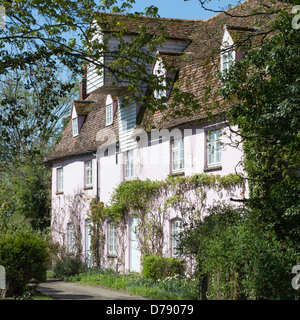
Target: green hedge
[[69, 266], [157, 267], [25, 257]]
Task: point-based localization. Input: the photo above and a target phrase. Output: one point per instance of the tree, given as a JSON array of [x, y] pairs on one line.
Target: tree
[[265, 88], [59, 36], [25, 182]]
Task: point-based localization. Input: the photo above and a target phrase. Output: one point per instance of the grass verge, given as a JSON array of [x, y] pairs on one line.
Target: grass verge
[[170, 288]]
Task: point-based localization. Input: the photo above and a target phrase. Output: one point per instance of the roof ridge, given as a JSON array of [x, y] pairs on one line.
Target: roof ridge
[[141, 16]]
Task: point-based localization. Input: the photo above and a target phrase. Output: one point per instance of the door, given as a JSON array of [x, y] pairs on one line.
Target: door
[[135, 254]]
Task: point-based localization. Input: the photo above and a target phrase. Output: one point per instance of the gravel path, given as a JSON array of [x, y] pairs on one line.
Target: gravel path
[[60, 290]]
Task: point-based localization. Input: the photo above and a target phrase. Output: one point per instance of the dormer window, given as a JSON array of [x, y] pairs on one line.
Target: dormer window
[[227, 60], [159, 93], [109, 111], [227, 51], [75, 126], [160, 71], [109, 114]]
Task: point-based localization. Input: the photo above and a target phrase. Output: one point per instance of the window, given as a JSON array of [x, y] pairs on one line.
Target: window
[[177, 155], [176, 230], [112, 238], [227, 60], [75, 127], [71, 238], [158, 94], [60, 180], [129, 164], [109, 114], [88, 173], [214, 147]]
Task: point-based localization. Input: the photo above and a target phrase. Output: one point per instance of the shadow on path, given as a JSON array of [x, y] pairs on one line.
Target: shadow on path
[[61, 290]]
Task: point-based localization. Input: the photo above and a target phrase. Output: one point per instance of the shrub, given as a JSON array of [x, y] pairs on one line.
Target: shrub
[[157, 267], [25, 257], [240, 258], [69, 266]]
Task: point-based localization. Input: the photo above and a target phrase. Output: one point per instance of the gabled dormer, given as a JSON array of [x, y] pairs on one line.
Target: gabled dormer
[[80, 110], [228, 53], [234, 43], [164, 68], [103, 79]]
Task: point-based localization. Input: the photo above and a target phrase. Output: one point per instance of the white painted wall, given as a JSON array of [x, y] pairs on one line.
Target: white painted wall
[[152, 161]]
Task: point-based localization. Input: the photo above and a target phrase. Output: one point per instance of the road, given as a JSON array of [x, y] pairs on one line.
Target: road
[[60, 290]]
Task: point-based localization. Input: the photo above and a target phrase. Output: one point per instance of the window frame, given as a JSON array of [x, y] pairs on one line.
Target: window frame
[[75, 127], [216, 145], [112, 238], [175, 231], [161, 93], [109, 114], [71, 238], [180, 155], [88, 173], [59, 179], [129, 161], [229, 62]]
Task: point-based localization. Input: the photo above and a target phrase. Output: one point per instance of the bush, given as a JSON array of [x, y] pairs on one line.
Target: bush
[[69, 266], [25, 257], [157, 267], [240, 258]]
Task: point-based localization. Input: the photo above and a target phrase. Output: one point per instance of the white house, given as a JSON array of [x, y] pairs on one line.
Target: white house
[[104, 145]]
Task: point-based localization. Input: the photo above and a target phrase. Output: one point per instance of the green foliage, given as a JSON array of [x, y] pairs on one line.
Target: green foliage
[[264, 92], [25, 257], [157, 267], [135, 195], [69, 266], [240, 258], [97, 216], [149, 201], [170, 288]]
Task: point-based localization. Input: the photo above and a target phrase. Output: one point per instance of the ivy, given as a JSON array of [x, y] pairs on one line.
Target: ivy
[[150, 202]]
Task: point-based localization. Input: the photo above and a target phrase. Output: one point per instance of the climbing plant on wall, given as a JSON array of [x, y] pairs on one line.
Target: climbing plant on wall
[[152, 202]]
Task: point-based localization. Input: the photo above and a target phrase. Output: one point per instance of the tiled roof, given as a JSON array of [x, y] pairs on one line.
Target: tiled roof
[[196, 68], [83, 107], [201, 60], [88, 139], [175, 28]]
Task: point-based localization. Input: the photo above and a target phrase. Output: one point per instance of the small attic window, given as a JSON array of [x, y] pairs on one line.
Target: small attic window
[[160, 71], [227, 51], [109, 114], [75, 126], [158, 94], [227, 60], [109, 110]]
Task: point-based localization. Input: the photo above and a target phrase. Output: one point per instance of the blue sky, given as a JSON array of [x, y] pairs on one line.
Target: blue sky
[[183, 9]]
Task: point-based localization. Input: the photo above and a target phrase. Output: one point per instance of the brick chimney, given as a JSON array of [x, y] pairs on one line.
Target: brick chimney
[[83, 93]]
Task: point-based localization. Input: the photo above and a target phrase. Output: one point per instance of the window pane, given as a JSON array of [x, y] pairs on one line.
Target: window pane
[[176, 229], [177, 154], [214, 147], [109, 114], [75, 127], [112, 241], [88, 173], [129, 168], [71, 237], [60, 179], [227, 60]]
